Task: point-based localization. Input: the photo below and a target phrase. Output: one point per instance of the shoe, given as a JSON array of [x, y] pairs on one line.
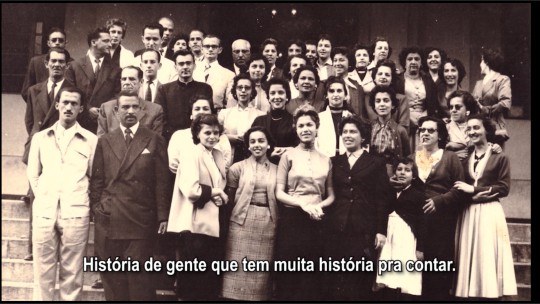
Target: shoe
[[29, 257], [97, 284]]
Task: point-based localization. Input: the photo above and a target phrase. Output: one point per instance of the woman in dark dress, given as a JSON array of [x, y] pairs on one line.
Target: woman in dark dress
[[356, 224], [278, 122]]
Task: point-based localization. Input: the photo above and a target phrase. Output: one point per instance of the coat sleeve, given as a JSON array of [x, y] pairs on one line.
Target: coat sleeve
[[157, 124], [189, 180], [29, 114], [504, 96], [162, 101], [29, 79], [502, 174], [34, 167], [162, 180], [454, 168], [102, 121], [384, 197], [97, 182]]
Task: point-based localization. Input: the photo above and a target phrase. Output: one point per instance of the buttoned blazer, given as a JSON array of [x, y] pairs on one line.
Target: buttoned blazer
[[130, 186], [150, 115], [39, 116], [496, 97], [363, 196]]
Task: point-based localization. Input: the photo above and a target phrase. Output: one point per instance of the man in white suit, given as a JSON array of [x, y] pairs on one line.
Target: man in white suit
[[119, 54], [214, 74]]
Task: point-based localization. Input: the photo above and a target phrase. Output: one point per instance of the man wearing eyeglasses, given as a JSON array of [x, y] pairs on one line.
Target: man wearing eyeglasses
[[212, 73], [37, 72]]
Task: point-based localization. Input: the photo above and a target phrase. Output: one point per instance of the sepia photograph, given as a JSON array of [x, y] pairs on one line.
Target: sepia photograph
[[374, 152]]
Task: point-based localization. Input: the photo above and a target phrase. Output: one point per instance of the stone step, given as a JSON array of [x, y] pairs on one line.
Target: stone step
[[17, 270], [16, 248], [521, 251], [524, 293], [18, 228], [15, 209], [519, 232], [19, 291], [523, 273]]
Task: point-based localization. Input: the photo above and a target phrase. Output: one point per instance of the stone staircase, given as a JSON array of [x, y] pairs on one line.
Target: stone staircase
[[17, 274]]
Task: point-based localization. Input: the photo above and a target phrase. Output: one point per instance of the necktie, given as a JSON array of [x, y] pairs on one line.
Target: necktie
[[206, 73], [129, 138], [51, 93], [148, 95], [96, 71]]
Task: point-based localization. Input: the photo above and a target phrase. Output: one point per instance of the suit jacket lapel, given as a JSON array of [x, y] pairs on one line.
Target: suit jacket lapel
[[53, 113], [43, 98], [118, 144], [104, 72], [88, 69], [361, 163], [139, 142]]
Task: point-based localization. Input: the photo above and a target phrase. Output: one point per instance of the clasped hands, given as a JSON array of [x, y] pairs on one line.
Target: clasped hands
[[314, 210]]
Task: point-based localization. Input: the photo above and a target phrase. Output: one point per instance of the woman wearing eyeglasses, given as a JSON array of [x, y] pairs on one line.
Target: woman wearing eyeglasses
[[439, 170]]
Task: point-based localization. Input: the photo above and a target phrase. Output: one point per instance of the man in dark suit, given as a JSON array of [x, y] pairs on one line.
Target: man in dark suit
[[174, 96], [40, 110], [96, 76], [130, 198], [36, 71], [150, 114], [269, 49]]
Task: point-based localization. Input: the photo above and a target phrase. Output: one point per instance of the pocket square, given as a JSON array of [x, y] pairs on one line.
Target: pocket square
[[146, 151]]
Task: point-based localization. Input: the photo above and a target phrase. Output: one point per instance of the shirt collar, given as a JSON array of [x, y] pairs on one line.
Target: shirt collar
[[133, 129], [355, 154], [327, 62], [58, 84], [93, 58], [266, 163], [76, 129]]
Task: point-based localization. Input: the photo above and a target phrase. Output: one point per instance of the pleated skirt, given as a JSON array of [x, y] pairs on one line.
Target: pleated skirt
[[483, 253]]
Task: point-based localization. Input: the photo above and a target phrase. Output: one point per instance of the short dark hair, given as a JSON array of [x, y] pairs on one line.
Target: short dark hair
[[256, 57], [380, 89], [334, 79], [311, 42], [306, 110], [342, 50], [325, 37], [154, 26], [169, 53], [459, 66], [195, 30], [212, 36], [96, 34], [488, 125], [298, 42], [71, 89], [235, 84], [361, 46], [468, 101], [493, 58], [118, 22], [441, 129], [374, 44], [199, 96], [139, 71], [55, 30], [269, 41], [266, 133], [391, 65], [151, 51], [287, 65], [406, 161], [430, 49], [364, 128], [182, 53], [126, 93], [57, 50], [307, 68], [410, 50], [204, 119], [278, 81]]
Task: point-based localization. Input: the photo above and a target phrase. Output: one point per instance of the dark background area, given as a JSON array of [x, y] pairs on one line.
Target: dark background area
[[462, 29]]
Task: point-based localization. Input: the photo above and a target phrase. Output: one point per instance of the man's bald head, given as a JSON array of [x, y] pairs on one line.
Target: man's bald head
[[241, 52]]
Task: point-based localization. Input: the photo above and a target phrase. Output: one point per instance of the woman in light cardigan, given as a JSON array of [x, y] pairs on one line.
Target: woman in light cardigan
[[251, 185], [197, 197]]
